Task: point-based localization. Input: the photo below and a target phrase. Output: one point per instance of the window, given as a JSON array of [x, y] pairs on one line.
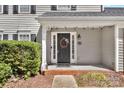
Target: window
[[33, 9], [15, 9], [54, 7], [63, 7], [33, 37], [1, 9], [54, 47], [24, 9], [5, 36], [5, 9], [24, 37], [73, 50], [73, 7]]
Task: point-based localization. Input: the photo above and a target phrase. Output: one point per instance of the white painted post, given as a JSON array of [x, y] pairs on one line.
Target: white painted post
[[116, 48], [44, 63]]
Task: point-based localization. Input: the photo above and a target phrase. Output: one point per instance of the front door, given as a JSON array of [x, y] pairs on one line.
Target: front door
[[63, 47]]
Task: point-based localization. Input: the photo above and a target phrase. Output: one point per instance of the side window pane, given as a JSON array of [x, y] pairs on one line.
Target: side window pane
[[5, 9], [15, 36], [24, 37], [33, 37], [33, 9], [54, 47], [5, 36], [73, 51], [15, 9], [73, 7], [53, 7], [24, 9]]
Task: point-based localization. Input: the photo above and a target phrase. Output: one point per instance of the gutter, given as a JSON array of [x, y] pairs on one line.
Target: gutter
[[80, 18]]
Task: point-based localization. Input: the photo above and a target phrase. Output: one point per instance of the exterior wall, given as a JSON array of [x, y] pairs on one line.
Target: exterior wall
[[80, 8], [89, 8], [121, 33], [97, 46], [11, 23], [108, 46], [89, 52]]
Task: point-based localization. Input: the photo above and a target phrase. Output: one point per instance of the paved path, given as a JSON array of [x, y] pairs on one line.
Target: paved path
[[64, 81]]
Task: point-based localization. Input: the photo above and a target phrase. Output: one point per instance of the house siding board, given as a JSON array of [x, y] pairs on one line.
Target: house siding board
[[19, 22], [121, 50], [89, 8]]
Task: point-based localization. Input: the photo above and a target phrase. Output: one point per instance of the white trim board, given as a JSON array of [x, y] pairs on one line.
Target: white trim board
[[75, 47]]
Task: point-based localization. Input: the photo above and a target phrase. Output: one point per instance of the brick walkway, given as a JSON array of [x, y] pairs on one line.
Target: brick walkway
[[64, 81]]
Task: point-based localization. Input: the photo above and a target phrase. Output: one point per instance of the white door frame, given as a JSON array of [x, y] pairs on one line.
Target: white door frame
[[54, 57]]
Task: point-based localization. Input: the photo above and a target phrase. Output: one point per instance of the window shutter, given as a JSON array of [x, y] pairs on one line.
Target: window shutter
[[15, 9], [33, 9], [33, 37], [53, 7], [5, 9], [15, 36], [5, 36], [73, 7]]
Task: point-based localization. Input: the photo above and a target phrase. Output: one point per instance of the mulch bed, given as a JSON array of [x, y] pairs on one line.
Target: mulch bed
[[113, 80], [38, 81], [45, 81]]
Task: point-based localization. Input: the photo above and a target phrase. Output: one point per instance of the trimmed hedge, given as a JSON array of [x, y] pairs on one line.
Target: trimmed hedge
[[23, 56], [5, 73]]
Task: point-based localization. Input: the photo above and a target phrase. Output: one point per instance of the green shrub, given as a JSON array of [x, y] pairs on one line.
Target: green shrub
[[22, 56], [5, 73]]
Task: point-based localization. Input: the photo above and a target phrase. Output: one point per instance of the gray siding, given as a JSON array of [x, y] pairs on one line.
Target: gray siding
[[89, 8], [12, 22], [121, 50]]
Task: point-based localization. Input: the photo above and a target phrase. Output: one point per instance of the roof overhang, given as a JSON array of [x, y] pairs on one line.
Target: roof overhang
[[81, 18], [81, 21]]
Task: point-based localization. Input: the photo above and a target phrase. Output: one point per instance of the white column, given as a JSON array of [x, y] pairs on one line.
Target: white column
[[44, 62], [116, 47]]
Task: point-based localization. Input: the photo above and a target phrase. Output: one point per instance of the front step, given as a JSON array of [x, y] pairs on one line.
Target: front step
[[63, 64], [71, 72]]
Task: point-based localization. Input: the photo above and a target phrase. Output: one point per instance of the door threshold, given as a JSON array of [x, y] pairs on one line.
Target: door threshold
[[63, 64]]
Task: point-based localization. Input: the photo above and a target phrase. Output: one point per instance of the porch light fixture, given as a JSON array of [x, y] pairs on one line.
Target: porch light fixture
[[79, 36]]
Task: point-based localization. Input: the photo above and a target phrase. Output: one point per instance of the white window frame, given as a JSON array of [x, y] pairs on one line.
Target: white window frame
[[63, 9], [1, 33], [75, 47], [24, 33], [24, 12], [1, 9]]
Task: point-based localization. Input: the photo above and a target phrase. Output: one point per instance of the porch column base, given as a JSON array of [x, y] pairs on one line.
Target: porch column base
[[43, 68]]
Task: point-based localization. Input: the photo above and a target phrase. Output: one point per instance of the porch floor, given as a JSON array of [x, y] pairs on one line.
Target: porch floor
[[79, 67]]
